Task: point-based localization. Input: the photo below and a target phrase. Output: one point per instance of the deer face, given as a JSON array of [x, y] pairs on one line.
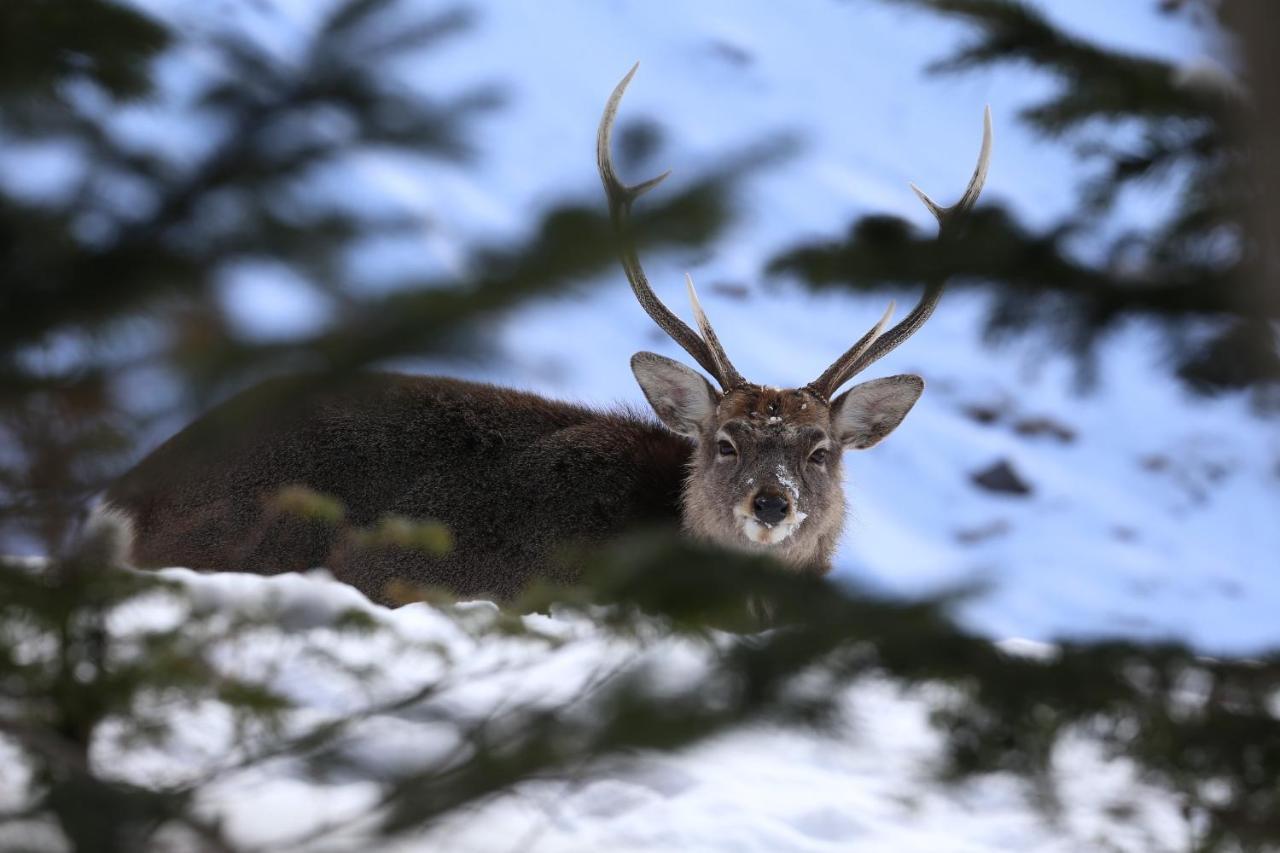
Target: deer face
[[766, 473]]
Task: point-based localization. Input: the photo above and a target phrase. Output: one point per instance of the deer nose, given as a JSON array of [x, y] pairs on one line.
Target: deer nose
[[770, 508]]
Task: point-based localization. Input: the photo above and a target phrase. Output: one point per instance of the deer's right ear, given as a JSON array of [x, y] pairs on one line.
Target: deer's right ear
[[682, 399]]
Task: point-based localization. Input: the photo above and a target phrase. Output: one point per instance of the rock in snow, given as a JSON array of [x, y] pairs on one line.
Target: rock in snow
[[1002, 477]]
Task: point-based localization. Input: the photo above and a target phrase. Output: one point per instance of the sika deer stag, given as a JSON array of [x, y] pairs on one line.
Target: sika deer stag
[[515, 476]]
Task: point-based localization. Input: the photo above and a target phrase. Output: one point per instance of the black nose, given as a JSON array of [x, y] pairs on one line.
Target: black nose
[[770, 508]]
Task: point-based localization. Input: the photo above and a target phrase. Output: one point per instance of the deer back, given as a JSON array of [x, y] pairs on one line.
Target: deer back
[[513, 476]]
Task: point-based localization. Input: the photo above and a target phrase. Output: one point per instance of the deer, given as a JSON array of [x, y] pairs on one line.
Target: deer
[[517, 477]]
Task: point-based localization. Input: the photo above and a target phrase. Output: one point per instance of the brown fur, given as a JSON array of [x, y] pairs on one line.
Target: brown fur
[[514, 476], [795, 406]]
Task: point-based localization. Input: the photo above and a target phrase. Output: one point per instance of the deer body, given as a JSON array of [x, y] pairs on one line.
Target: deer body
[[515, 476]]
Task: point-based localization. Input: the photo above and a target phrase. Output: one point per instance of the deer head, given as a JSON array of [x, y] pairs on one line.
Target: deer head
[[766, 471]]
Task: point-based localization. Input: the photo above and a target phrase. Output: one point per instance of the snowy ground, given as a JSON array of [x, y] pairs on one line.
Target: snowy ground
[[1156, 518], [865, 785]]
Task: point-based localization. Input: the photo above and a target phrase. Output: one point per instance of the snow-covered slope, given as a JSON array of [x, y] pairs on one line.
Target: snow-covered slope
[[1156, 516]]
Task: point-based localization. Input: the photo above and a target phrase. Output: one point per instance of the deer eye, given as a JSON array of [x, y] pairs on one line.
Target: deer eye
[[819, 456], [726, 448]]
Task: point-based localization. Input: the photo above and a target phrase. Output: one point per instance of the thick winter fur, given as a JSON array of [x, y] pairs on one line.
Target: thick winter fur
[[514, 476]]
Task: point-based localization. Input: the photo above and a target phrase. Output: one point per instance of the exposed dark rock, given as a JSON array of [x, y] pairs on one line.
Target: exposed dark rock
[[1042, 425], [1001, 477], [983, 413]]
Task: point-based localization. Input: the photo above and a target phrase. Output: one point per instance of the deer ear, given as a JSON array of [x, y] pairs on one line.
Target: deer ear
[[683, 400], [866, 413]]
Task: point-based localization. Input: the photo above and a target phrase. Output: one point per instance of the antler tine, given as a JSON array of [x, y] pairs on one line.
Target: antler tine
[[727, 370], [827, 383], [706, 350], [947, 217]]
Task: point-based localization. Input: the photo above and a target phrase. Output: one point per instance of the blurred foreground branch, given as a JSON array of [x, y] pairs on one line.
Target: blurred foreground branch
[[1205, 271]]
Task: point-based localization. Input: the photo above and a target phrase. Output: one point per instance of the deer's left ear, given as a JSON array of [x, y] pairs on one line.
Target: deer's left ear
[[866, 413]]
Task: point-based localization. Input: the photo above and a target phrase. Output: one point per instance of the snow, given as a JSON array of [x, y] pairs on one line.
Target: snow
[[867, 781], [1157, 520], [787, 482]]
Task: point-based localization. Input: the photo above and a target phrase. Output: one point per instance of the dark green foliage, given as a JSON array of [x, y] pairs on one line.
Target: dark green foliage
[[44, 45], [1206, 273], [1041, 283], [63, 676], [1205, 728]]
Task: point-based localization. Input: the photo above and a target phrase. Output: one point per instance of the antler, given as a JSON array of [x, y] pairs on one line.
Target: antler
[[873, 346], [705, 349]]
